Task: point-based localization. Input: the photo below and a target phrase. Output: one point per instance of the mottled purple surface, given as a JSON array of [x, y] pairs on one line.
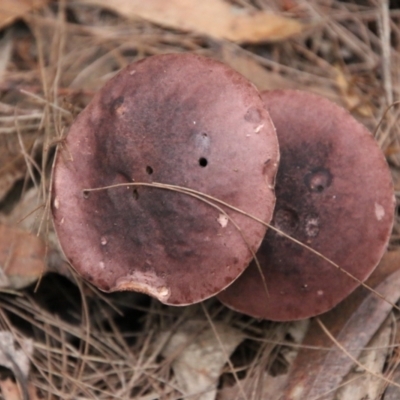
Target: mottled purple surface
[[335, 194], [175, 119]]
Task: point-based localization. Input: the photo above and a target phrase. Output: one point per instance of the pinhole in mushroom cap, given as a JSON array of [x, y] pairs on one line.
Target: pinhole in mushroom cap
[[174, 119], [335, 194]]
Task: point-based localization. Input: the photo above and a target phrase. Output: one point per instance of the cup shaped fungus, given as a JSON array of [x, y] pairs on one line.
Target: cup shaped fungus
[[176, 119], [334, 194]]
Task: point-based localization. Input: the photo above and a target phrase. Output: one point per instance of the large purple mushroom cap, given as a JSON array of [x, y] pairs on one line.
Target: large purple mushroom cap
[[175, 119], [335, 194]]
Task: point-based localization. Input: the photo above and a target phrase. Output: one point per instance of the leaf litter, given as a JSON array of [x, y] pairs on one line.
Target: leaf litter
[[91, 345]]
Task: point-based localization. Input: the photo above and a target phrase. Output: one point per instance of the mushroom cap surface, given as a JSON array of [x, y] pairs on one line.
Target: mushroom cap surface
[[335, 194], [176, 119]]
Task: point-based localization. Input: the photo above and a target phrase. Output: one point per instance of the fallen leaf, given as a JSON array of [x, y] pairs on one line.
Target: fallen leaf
[[297, 332], [272, 387], [393, 392], [22, 257], [11, 168], [353, 323], [253, 71], [239, 59], [198, 358], [361, 385], [28, 215], [12, 165], [5, 52], [215, 18], [10, 10], [11, 391], [352, 99], [17, 360]]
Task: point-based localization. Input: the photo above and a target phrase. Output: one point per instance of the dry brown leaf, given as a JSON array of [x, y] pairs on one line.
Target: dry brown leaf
[[10, 10], [263, 79], [16, 360], [269, 387], [215, 18], [28, 215], [11, 391], [272, 388], [361, 385], [12, 162], [198, 358], [5, 52], [27, 212], [353, 323], [11, 169], [22, 257], [352, 99], [253, 71], [393, 392]]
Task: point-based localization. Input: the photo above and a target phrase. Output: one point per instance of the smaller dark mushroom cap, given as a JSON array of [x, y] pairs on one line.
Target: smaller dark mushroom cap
[[174, 119], [335, 194]]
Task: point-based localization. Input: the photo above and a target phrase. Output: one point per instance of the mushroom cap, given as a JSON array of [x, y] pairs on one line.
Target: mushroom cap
[[174, 119], [335, 194]]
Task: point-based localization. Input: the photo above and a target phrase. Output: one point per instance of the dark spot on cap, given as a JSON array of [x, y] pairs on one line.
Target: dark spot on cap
[[286, 220], [116, 104], [183, 122], [318, 179], [253, 115], [203, 162], [331, 177]]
